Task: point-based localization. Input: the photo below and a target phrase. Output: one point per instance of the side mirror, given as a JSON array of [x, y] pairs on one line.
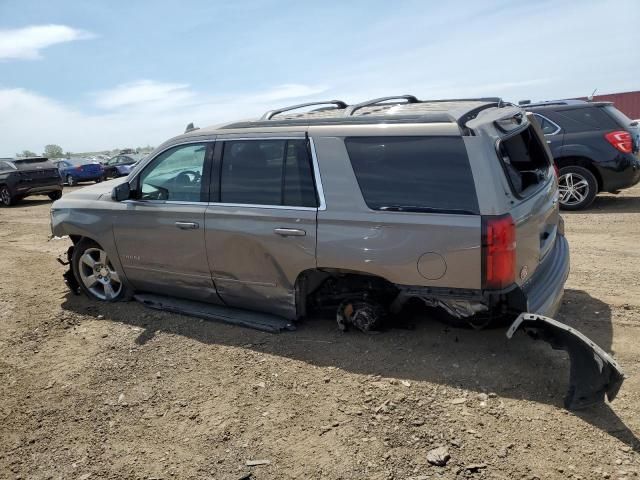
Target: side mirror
[[121, 192]]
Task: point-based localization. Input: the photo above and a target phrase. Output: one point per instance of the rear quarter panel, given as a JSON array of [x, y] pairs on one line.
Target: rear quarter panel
[[390, 244]]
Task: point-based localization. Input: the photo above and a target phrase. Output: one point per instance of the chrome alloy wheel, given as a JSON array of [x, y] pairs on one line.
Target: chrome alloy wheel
[[573, 188], [97, 274]]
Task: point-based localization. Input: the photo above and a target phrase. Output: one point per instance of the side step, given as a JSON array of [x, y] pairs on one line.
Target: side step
[[234, 316]]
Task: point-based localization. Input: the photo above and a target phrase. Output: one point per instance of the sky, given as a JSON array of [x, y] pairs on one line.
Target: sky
[[107, 74]]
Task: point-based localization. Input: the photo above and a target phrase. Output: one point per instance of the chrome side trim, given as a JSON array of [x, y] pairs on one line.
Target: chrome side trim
[[316, 173], [252, 205], [163, 202]]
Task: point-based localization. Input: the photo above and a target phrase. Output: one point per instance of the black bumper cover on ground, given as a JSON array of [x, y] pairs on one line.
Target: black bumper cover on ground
[[593, 372]]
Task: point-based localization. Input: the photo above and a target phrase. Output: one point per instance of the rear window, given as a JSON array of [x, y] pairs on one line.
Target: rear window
[[586, 118], [30, 163], [414, 173], [524, 160]]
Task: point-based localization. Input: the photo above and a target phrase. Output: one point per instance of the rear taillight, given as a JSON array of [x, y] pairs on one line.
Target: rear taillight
[[620, 140], [556, 169], [498, 251]]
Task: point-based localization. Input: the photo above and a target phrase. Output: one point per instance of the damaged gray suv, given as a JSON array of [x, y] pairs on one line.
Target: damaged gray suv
[[360, 207]]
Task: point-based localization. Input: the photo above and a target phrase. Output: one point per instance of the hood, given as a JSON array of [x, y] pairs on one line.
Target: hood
[[91, 192]]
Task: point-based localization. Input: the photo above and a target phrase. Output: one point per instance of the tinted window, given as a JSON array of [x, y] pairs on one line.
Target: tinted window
[[547, 127], [175, 175], [267, 172], [420, 172], [589, 118]]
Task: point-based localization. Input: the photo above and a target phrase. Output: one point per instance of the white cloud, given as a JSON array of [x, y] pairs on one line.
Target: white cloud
[[26, 43], [131, 114], [289, 90], [144, 92]]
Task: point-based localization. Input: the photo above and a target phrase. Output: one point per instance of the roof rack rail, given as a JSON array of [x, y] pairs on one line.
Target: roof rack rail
[[350, 111], [272, 113]]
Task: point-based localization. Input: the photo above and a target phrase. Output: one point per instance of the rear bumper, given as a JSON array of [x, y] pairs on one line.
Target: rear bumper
[[543, 292], [27, 190], [623, 172]]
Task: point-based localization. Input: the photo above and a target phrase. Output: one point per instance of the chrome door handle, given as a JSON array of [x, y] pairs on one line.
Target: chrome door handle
[[187, 225], [289, 232]]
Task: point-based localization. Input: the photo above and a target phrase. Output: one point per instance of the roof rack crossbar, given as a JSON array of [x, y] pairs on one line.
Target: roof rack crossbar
[[351, 110], [272, 113]]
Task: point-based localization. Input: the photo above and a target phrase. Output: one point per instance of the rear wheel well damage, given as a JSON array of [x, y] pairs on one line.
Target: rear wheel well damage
[[350, 291]]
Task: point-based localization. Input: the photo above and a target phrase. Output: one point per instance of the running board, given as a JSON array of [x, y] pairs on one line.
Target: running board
[[234, 316]]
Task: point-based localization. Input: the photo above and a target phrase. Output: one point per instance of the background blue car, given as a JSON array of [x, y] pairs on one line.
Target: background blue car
[[76, 170], [121, 165]]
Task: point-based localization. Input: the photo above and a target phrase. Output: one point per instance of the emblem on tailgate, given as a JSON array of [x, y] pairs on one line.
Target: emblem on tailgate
[[524, 271]]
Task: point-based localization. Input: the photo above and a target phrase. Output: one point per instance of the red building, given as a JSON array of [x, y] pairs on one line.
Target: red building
[[626, 102]]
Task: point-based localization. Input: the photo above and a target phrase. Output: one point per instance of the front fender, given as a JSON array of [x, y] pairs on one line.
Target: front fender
[[593, 372]]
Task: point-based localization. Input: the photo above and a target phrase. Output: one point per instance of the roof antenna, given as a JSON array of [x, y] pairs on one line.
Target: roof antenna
[[590, 97], [190, 128]]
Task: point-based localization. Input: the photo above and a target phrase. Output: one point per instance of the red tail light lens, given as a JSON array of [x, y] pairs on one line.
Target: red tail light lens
[[556, 169], [499, 251], [620, 140]]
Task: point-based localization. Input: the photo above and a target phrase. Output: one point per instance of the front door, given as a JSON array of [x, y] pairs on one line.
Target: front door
[[160, 232], [261, 226]]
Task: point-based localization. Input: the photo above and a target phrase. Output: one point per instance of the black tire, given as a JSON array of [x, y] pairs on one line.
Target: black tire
[[82, 271], [98, 180], [6, 199], [71, 181], [55, 195], [578, 188]]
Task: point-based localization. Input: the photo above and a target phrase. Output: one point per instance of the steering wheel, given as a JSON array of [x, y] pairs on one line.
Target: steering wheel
[[187, 177]]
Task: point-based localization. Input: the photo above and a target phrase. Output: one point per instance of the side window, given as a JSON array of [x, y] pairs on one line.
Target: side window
[[548, 128], [587, 118], [267, 172], [175, 175], [413, 173]]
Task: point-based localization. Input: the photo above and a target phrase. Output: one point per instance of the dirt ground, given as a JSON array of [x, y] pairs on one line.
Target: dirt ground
[[91, 390]]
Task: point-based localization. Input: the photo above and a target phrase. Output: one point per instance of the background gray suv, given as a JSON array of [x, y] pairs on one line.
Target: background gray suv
[[360, 206]]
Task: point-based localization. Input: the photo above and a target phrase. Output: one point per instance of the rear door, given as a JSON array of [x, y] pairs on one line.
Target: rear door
[[260, 228]]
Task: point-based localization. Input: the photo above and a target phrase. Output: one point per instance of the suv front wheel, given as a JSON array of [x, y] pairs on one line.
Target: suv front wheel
[[95, 273], [578, 187]]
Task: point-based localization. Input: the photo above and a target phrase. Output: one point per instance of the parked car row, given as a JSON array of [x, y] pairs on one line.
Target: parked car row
[[595, 147], [23, 177]]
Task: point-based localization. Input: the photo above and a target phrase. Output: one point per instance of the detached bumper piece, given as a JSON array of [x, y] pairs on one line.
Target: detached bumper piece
[[593, 372], [69, 277]]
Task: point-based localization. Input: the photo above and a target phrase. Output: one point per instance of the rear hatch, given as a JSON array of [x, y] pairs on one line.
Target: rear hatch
[[529, 169], [36, 171]]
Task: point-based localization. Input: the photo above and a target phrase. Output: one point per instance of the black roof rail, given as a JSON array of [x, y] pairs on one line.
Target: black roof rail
[[350, 111], [272, 113]]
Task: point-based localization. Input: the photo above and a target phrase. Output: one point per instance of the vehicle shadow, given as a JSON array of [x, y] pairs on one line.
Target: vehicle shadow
[[32, 201], [478, 360], [611, 204]]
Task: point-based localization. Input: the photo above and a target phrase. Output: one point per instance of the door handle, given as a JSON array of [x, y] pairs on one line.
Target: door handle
[[289, 232], [187, 225]]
